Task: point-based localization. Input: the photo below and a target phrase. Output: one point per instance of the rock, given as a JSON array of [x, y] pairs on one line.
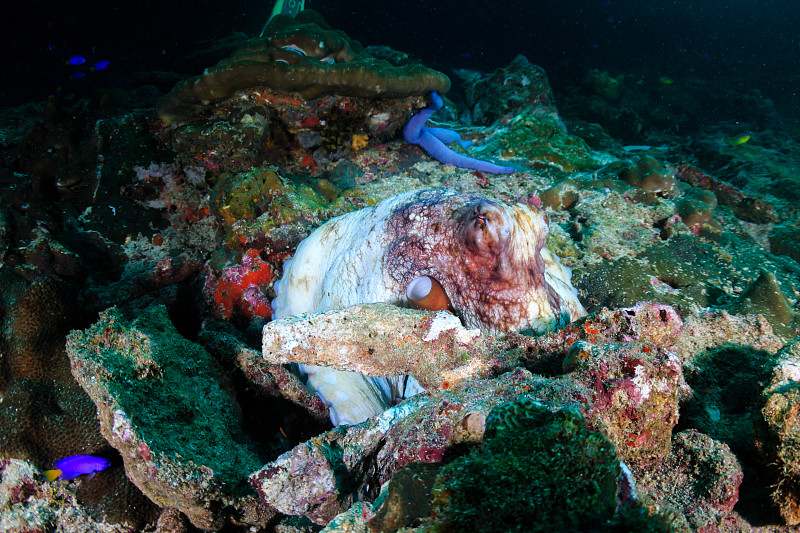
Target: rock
[[163, 404], [385, 340]]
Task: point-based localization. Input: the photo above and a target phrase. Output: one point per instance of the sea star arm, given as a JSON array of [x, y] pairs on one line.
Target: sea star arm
[[448, 136], [433, 140]]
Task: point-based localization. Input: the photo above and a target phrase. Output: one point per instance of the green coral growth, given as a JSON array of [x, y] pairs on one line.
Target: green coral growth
[[536, 471], [541, 139], [263, 206]]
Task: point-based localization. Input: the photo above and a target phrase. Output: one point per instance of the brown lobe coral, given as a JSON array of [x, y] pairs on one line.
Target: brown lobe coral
[[301, 55]]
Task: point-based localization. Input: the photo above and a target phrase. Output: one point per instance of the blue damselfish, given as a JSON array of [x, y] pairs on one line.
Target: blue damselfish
[[76, 465]]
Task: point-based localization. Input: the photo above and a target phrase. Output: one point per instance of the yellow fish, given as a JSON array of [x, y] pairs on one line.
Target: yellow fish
[[736, 141], [666, 81]]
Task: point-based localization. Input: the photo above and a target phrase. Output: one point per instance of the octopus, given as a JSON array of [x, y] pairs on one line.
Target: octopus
[[486, 259]]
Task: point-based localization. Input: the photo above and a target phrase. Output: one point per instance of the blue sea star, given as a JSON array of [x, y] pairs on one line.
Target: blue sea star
[[434, 141]]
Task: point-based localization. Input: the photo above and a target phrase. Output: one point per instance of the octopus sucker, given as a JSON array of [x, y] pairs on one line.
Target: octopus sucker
[[485, 258]]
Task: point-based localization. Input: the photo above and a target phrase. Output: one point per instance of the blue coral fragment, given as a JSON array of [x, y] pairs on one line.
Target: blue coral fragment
[[435, 141]]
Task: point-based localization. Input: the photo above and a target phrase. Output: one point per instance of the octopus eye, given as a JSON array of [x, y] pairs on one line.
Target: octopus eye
[[485, 226]]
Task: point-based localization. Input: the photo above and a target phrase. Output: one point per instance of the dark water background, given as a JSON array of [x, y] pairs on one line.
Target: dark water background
[[743, 43]]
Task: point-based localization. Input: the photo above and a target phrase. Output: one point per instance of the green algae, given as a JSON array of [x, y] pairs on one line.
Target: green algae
[[262, 205], [727, 384], [677, 272], [689, 273], [536, 471], [173, 393], [542, 140]]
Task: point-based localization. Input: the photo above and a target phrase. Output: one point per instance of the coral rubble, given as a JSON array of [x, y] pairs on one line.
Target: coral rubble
[[616, 348]]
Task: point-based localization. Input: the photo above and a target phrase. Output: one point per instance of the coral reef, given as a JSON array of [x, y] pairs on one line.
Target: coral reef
[[44, 414], [302, 94], [159, 240], [235, 291], [301, 55]]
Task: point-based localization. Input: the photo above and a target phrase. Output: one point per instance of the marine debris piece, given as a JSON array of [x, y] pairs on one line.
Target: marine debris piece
[[435, 141], [331, 63], [488, 256]]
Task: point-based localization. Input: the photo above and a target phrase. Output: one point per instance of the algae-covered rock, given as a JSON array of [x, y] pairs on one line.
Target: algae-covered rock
[[689, 273], [781, 412], [636, 390], [697, 484], [162, 404], [765, 297], [536, 471], [543, 141], [648, 173], [264, 208], [519, 88]]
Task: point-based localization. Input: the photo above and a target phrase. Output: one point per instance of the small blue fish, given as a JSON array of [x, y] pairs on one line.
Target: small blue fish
[[100, 65], [76, 465], [78, 75], [76, 60]]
